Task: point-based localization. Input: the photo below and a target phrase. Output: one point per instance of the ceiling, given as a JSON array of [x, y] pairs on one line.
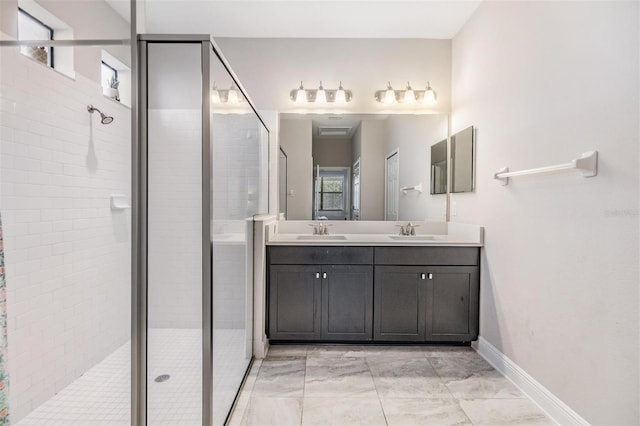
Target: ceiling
[[328, 122], [435, 19]]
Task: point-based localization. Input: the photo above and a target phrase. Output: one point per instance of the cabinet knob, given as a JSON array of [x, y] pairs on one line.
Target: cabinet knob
[[317, 274], [430, 276], [324, 275], [423, 276]]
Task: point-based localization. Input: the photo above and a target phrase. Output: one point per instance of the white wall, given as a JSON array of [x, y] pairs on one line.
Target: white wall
[[295, 139], [67, 253], [363, 66], [414, 135], [332, 152], [544, 82]]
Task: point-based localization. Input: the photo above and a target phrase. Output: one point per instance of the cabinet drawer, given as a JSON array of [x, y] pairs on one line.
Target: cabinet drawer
[[317, 255], [437, 256]]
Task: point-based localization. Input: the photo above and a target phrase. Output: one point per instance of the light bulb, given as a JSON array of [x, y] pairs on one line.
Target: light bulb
[[321, 96], [301, 95], [409, 95], [215, 95], [389, 95], [430, 96], [341, 97], [232, 96]]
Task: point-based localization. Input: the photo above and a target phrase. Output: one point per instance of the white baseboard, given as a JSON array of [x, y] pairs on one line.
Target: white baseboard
[[557, 410], [260, 348]]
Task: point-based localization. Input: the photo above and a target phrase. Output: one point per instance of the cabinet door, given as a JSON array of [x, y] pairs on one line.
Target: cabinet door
[[294, 302], [399, 303], [452, 303], [347, 302]]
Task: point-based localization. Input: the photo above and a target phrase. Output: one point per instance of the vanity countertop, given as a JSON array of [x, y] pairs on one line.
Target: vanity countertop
[[377, 234]]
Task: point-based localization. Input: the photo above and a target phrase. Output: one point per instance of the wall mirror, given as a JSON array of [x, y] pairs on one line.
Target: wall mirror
[[439, 169], [462, 161], [282, 182], [362, 166]]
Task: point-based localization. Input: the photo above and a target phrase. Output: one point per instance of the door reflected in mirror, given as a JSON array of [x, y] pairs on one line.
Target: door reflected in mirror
[[358, 145], [439, 168]]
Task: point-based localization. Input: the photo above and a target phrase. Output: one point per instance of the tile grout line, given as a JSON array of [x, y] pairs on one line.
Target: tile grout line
[[384, 415], [449, 390], [304, 383]]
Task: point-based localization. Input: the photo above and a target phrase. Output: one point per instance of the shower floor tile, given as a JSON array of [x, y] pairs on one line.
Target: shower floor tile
[[102, 395]]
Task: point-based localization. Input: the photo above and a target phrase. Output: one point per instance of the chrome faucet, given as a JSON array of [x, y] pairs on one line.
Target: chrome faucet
[[320, 228], [408, 229]]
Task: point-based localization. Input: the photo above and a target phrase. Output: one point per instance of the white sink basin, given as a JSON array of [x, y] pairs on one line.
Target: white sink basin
[[321, 237], [412, 237]]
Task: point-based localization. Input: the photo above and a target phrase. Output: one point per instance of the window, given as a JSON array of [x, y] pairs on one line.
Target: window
[[30, 28], [108, 73], [332, 193]]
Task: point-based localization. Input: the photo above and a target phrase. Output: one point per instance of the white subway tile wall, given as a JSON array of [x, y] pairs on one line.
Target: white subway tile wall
[[236, 185], [236, 166], [67, 253]]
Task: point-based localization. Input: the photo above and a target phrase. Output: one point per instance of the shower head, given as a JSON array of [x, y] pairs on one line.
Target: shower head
[[105, 119]]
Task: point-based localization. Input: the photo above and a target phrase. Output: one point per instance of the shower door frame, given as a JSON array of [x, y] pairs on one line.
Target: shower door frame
[[140, 224]]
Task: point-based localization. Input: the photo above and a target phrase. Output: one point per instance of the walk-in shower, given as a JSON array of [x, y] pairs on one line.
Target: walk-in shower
[[95, 338], [104, 119]]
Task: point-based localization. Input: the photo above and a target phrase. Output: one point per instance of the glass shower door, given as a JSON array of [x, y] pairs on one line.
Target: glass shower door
[[175, 218], [238, 192]]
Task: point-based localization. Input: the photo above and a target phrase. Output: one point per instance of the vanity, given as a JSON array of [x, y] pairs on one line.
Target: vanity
[[364, 284]]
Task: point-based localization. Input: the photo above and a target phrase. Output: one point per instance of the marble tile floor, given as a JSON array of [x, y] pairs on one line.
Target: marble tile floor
[[380, 385]]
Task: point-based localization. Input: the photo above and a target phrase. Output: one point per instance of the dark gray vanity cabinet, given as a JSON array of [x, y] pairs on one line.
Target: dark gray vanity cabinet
[[295, 296], [400, 307], [452, 303], [347, 302], [384, 294], [320, 293], [426, 294]]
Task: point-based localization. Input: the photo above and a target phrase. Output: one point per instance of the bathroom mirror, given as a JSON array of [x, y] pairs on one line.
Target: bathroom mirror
[[282, 182], [439, 167], [362, 166], [462, 158]]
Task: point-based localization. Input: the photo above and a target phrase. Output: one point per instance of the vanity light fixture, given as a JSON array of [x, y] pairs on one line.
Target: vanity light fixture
[[341, 96], [222, 96], [320, 96], [429, 97], [232, 96], [215, 95], [409, 95], [301, 95], [389, 96]]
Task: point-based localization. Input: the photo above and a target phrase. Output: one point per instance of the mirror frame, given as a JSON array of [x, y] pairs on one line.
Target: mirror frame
[[280, 209]]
